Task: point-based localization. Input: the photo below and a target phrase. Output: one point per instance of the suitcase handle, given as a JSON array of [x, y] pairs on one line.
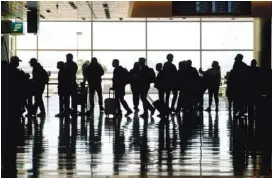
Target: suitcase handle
[[149, 97], [113, 93]]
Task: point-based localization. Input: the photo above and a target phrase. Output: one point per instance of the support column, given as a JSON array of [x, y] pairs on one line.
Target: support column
[[262, 42]]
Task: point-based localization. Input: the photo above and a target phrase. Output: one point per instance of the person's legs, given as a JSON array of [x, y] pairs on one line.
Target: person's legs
[[91, 96], [100, 97], [175, 95], [39, 101], [179, 105], [62, 103], [147, 106], [29, 105], [210, 99], [167, 96], [74, 99], [216, 98], [117, 102], [161, 95], [124, 103], [136, 97]]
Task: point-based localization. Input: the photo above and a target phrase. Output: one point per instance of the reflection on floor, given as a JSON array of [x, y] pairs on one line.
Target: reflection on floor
[[195, 144]]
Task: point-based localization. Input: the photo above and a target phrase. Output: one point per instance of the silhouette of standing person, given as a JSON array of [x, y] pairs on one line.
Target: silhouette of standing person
[[159, 83], [12, 92], [71, 70], [119, 80], [62, 84], [190, 84], [147, 76], [229, 91], [94, 72], [40, 79], [134, 84], [212, 78], [181, 75], [170, 80], [254, 85], [239, 80]]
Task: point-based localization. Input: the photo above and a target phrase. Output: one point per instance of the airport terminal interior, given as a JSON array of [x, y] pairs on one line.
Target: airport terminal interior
[[194, 143]]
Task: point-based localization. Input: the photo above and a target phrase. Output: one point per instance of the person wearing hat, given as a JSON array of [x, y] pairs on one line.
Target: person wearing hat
[[12, 102], [39, 79]]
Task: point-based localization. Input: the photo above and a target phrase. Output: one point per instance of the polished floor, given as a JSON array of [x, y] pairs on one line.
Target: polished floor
[[194, 144]]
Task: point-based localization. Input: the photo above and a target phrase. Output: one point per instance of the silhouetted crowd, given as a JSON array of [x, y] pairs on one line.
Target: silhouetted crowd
[[187, 85], [248, 87]]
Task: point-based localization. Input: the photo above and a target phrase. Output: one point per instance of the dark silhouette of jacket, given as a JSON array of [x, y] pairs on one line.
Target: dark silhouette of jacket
[[135, 79], [181, 76], [119, 80], [94, 72], [38, 76], [169, 75], [212, 77], [62, 80], [147, 76], [254, 80], [71, 68], [159, 82]]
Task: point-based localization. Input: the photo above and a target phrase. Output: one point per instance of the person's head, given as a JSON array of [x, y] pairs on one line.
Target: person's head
[[253, 63], [94, 60], [87, 62], [136, 65], [159, 67], [115, 63], [182, 64], [189, 63], [69, 57], [238, 58], [60, 65], [215, 65], [142, 61], [14, 61], [33, 62], [170, 57]]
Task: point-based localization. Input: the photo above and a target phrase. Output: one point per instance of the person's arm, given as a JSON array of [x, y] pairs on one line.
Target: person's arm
[[102, 72], [201, 71]]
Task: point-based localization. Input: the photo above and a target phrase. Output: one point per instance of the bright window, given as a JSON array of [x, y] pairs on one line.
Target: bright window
[[227, 35], [173, 35], [64, 35], [119, 35]]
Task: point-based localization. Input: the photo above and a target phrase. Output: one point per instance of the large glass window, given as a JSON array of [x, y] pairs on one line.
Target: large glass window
[[119, 35], [225, 59], [227, 35], [154, 57], [126, 58], [49, 59], [173, 35], [221, 40], [65, 35], [27, 41]]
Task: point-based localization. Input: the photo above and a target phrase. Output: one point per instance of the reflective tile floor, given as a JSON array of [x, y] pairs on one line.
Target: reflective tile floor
[[194, 144]]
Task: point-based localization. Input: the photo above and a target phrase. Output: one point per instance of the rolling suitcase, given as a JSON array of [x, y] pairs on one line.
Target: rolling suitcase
[[160, 106], [110, 107]]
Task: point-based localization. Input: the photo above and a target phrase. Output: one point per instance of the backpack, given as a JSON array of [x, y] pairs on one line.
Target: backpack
[[151, 75], [126, 75], [45, 76]]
